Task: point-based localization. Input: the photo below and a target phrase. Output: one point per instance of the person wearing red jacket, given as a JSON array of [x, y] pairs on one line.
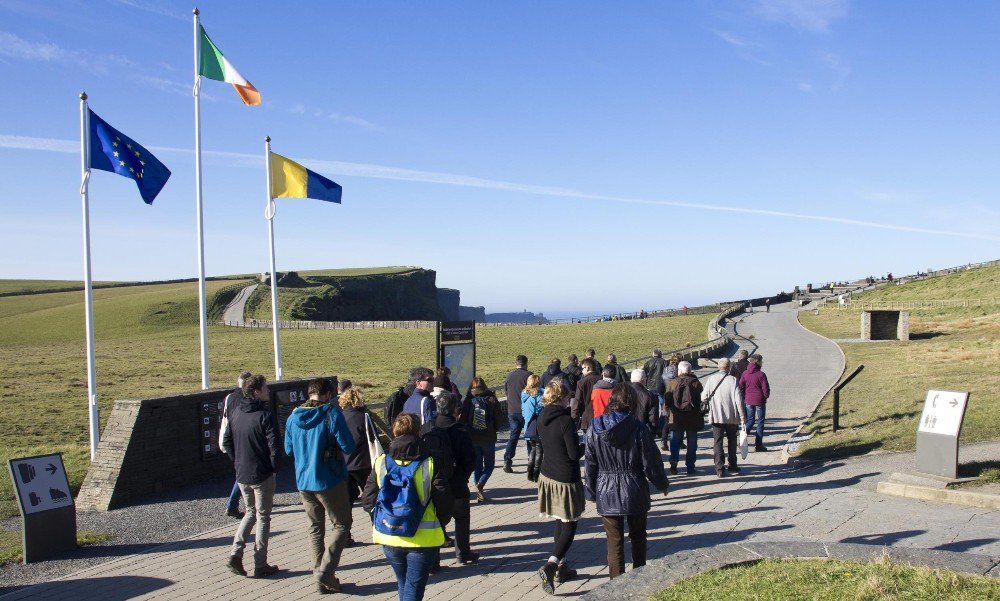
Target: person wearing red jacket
[[602, 390], [755, 390]]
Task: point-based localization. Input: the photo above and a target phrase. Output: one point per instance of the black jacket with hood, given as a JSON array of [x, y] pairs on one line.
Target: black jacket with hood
[[560, 447], [251, 441], [620, 460], [553, 371], [462, 452], [572, 375], [410, 448]]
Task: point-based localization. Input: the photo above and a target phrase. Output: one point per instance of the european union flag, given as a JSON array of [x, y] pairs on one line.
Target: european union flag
[[111, 150]]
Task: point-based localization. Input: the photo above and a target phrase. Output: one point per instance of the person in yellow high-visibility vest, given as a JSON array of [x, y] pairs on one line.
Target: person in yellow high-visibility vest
[[411, 557]]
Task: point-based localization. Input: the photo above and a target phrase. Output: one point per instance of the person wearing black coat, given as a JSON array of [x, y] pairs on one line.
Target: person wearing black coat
[[572, 373], [647, 407], [359, 462], [554, 370], [463, 456], [560, 487], [621, 459], [583, 408]]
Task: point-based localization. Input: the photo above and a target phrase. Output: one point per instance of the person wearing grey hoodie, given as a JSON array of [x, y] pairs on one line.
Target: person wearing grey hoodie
[[620, 461]]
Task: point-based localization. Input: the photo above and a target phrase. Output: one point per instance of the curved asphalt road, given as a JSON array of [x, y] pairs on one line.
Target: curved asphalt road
[[800, 366]]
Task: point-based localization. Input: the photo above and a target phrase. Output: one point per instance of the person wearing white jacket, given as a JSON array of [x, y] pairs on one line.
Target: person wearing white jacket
[[726, 413]]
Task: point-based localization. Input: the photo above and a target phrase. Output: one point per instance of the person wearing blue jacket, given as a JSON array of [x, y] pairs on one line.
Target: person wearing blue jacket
[[317, 437], [531, 409]]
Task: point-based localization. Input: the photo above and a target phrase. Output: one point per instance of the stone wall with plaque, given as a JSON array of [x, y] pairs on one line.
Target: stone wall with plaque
[[152, 445]]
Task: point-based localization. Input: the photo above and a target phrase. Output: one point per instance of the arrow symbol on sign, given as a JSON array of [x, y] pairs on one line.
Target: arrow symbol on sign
[[50, 469], [954, 403]]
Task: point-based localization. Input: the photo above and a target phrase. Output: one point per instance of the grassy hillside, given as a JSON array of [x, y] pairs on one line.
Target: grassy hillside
[[978, 283], [397, 293], [147, 345], [951, 349]]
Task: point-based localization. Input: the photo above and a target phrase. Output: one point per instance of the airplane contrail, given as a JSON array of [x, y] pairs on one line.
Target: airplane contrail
[[451, 179]]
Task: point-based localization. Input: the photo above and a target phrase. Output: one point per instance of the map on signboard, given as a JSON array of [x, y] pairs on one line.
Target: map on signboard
[[943, 412], [41, 483], [461, 359]]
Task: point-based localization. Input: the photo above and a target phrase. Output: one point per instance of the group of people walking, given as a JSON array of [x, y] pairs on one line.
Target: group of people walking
[[416, 486]]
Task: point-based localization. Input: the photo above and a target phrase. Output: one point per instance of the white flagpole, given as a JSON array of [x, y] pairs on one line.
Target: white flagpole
[[203, 327], [88, 294], [269, 210]]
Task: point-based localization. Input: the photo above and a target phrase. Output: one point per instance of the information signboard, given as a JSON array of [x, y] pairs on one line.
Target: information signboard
[[943, 412], [41, 483], [938, 432], [48, 513], [456, 350]]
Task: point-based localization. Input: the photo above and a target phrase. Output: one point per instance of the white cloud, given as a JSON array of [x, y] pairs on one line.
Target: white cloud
[[732, 39], [153, 7], [805, 87], [807, 15], [356, 121], [300, 109], [365, 170], [16, 47]]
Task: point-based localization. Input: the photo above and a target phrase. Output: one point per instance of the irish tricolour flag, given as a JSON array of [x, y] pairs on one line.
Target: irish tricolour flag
[[213, 65]]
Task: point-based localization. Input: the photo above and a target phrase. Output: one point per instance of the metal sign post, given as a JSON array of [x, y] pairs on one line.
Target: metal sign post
[[48, 513], [456, 350], [937, 435]]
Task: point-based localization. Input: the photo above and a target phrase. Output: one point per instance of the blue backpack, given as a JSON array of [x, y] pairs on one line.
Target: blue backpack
[[398, 509]]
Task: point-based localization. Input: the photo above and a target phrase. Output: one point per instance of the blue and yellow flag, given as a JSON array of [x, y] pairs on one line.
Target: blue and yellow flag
[[111, 150], [291, 180]]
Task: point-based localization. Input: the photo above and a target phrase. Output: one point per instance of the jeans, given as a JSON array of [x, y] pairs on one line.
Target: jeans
[[516, 424], [485, 461], [332, 503], [258, 499], [724, 433], [675, 447], [755, 417], [233, 502], [614, 528], [412, 568]]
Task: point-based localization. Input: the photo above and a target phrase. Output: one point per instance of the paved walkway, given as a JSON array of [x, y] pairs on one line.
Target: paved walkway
[[234, 310], [829, 502]]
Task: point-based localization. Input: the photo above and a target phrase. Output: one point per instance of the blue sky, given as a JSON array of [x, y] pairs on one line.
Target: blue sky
[[558, 156]]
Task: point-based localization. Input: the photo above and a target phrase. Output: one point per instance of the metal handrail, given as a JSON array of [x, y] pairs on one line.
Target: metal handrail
[[836, 396]]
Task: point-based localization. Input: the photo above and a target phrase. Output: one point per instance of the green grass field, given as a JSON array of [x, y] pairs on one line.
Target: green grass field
[[954, 348], [357, 271], [147, 345], [817, 579], [32, 285]]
